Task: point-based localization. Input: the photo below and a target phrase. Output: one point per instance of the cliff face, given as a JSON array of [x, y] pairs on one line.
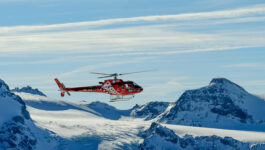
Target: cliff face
[[14, 132], [17, 130]]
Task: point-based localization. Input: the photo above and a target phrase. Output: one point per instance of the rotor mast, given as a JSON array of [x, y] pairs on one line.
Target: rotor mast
[[115, 75]]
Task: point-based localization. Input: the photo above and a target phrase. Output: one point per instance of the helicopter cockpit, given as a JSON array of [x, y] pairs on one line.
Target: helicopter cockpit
[[132, 87], [136, 85]]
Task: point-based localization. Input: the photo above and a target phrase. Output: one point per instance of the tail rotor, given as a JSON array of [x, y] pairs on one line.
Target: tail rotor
[[62, 88]]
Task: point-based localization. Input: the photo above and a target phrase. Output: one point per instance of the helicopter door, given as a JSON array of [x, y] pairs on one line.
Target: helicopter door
[[122, 89], [127, 87]]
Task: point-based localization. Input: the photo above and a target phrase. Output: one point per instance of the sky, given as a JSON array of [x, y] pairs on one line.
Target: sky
[[187, 43]]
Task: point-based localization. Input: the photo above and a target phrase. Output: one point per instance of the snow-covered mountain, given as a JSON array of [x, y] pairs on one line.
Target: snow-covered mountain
[[17, 130], [159, 137], [221, 104], [28, 89], [67, 125], [13, 113]]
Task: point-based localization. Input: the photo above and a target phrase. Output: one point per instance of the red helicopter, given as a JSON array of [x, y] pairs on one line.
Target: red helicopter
[[118, 89]]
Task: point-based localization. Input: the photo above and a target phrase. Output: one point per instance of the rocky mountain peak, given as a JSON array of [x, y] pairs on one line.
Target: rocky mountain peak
[[3, 87], [220, 81], [226, 85], [220, 104]]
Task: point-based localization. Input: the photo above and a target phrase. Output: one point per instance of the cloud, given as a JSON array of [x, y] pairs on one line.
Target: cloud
[[80, 58], [126, 41], [234, 13], [91, 67], [171, 85], [164, 37]]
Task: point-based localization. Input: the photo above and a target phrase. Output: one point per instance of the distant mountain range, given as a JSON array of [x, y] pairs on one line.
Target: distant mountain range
[[30, 120], [28, 89], [150, 110]]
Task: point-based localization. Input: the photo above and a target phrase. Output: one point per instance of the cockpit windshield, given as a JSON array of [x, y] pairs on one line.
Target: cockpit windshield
[[136, 85]]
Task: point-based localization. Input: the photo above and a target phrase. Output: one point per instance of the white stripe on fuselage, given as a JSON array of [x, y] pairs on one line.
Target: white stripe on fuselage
[[108, 87]]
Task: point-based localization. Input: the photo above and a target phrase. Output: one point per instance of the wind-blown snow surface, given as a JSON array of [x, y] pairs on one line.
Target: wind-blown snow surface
[[82, 126]]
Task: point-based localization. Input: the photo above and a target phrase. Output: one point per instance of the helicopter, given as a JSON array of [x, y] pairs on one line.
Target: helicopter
[[118, 89]]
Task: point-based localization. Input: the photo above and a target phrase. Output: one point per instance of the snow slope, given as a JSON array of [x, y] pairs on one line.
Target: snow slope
[[83, 125]]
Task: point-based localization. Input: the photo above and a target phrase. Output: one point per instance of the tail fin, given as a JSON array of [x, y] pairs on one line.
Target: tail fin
[[61, 87]]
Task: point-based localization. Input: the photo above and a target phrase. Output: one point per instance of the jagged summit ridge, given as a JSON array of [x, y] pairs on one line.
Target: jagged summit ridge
[[12, 104], [226, 84], [3, 87], [28, 89], [221, 80]]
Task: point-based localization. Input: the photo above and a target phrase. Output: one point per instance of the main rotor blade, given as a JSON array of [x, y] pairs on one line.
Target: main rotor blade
[[106, 76], [116, 74], [100, 73], [136, 72]]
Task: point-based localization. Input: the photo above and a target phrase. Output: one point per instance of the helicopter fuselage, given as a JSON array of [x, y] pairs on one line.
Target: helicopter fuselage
[[111, 87]]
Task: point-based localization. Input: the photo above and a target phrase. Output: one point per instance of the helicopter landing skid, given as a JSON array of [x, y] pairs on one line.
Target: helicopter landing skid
[[116, 98]]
